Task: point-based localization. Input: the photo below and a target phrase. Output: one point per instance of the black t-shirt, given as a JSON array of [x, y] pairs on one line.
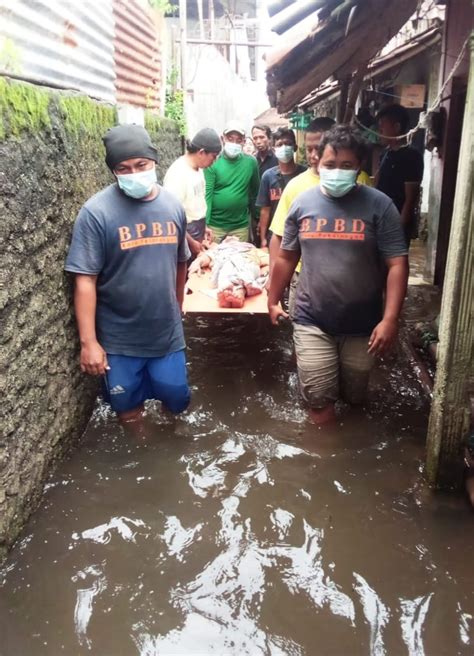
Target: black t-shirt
[[343, 244], [272, 185], [396, 168], [267, 162]]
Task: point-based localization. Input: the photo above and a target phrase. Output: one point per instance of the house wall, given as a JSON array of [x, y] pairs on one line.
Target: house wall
[[444, 161], [422, 69], [51, 161], [216, 94]]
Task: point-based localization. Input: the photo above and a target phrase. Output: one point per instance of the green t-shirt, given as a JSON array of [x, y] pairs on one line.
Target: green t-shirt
[[231, 189]]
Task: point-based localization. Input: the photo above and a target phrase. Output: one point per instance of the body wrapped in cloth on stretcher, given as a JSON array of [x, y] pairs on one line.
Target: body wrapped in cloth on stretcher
[[239, 269]]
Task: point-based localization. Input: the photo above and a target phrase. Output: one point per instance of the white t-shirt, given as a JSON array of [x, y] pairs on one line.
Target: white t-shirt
[[188, 186]]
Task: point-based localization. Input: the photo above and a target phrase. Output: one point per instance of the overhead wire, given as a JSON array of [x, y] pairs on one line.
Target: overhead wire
[[409, 135]]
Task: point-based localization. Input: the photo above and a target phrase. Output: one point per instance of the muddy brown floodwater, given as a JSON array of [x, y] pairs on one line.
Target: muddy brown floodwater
[[240, 528]]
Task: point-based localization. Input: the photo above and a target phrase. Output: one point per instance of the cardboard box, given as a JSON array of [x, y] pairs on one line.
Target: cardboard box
[[412, 96]]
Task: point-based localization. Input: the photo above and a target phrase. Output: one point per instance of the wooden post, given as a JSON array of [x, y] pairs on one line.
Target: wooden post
[[183, 41], [212, 19], [449, 417], [201, 19], [341, 109], [356, 85]]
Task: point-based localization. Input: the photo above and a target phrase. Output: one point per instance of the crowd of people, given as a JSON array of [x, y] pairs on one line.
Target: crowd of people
[[337, 238]]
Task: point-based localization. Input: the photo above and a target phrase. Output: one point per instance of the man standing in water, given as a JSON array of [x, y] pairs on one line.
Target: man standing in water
[[231, 187], [302, 182], [353, 252], [185, 180], [129, 254], [294, 188]]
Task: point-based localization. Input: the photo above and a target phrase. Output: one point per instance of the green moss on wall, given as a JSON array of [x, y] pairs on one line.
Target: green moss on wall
[[23, 108], [152, 122], [85, 116], [165, 135], [159, 125], [78, 121], [10, 56], [162, 129]]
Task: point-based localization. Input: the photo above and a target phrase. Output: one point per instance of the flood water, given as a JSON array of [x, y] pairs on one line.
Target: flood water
[[240, 528]]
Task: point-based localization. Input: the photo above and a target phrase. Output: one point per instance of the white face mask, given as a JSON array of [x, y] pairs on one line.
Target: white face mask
[[284, 153], [137, 185], [338, 182], [232, 150]]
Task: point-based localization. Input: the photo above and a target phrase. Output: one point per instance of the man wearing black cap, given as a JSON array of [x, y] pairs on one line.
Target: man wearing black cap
[[185, 180], [129, 254]]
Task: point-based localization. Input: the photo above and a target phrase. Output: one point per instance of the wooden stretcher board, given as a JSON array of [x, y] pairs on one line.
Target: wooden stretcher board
[[203, 298]]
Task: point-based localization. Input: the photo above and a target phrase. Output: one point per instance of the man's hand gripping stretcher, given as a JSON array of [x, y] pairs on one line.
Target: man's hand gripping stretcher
[[239, 269]]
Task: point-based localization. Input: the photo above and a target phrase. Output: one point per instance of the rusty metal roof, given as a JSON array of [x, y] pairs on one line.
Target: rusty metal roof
[[349, 35], [137, 55], [60, 44], [382, 63], [284, 15], [107, 49]]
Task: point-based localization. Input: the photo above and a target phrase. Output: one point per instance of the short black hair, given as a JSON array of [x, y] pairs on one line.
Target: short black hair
[[190, 148], [344, 137], [321, 124], [265, 129], [284, 133], [395, 114]]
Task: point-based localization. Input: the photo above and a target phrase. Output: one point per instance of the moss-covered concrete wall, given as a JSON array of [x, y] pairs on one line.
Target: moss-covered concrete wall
[[165, 136], [51, 161]]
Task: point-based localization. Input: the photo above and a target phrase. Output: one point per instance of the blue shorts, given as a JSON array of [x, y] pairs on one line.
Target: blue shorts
[[131, 381]]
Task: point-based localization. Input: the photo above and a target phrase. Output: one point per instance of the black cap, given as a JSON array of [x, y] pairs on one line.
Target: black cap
[[208, 140], [126, 142]]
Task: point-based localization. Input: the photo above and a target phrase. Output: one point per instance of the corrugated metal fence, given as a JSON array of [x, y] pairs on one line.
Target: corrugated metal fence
[[107, 49], [59, 44], [137, 56]]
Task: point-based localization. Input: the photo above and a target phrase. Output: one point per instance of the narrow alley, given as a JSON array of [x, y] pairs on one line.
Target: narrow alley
[[238, 530]]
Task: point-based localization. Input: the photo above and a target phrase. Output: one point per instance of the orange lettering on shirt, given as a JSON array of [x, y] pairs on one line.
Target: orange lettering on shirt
[[320, 223], [339, 225], [346, 236], [358, 225], [147, 241], [171, 227], [124, 233], [157, 229], [305, 225], [140, 228]]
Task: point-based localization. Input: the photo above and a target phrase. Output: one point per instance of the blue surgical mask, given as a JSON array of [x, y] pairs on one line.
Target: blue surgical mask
[[337, 182], [137, 185], [284, 153], [232, 150]]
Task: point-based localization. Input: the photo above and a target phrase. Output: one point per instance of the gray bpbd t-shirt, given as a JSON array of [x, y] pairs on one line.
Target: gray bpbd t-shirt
[[133, 247], [343, 242]]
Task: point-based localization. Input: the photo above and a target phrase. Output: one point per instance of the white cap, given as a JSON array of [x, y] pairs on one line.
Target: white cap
[[234, 126]]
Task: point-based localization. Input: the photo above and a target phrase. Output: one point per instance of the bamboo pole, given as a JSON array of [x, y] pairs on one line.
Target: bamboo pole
[[449, 417], [223, 42], [212, 19], [356, 85], [341, 109], [201, 19], [183, 41]]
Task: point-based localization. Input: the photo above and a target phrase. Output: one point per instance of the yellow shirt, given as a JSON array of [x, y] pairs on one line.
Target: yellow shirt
[[294, 188]]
